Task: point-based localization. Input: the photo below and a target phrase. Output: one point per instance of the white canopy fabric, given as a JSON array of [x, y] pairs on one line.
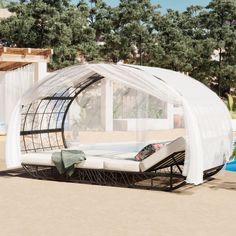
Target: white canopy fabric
[[207, 120]]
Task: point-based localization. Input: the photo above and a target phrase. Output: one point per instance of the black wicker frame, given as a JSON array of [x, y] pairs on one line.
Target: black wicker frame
[[43, 121], [166, 175], [52, 111]]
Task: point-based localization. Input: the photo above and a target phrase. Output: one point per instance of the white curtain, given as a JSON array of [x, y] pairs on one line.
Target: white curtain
[[207, 121], [2, 98], [208, 124], [14, 84], [13, 152]]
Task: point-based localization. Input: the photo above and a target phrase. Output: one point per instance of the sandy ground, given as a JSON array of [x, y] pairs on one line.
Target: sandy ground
[[36, 207]]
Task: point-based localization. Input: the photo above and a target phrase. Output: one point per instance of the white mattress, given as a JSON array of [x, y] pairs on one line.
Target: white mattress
[[177, 145], [111, 160], [95, 159]]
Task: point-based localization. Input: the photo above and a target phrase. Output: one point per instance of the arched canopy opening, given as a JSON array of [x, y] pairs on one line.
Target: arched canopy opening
[[43, 120], [45, 115]]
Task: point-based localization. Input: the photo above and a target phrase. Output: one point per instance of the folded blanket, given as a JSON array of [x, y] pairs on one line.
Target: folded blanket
[[66, 159]]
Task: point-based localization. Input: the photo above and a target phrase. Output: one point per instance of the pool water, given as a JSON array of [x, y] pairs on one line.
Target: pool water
[[231, 166]]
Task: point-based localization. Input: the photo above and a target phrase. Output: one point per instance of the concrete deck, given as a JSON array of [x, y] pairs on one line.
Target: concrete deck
[[37, 207], [45, 208]]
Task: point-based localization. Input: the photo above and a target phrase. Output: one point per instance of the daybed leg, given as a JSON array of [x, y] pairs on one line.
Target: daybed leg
[[36, 172], [171, 178], [151, 182], [132, 184]]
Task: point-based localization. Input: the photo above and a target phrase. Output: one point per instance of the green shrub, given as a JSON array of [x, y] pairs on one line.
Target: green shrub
[[231, 105]]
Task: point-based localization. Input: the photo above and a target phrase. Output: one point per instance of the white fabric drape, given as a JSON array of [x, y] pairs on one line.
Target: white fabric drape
[[13, 151], [17, 82], [208, 124], [13, 85], [207, 121], [72, 75], [2, 99]]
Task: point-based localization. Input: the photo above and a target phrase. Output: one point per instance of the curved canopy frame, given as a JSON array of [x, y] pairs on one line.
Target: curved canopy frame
[[43, 121], [208, 124]]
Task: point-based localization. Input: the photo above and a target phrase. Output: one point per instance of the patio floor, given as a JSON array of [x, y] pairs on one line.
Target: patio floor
[[37, 207]]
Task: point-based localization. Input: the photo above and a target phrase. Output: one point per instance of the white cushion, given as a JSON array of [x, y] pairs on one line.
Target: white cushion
[[122, 165], [110, 154], [175, 146], [44, 159], [126, 155], [91, 163], [96, 159], [41, 158]]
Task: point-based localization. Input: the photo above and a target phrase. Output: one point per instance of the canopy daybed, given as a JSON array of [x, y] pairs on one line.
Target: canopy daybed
[[41, 121]]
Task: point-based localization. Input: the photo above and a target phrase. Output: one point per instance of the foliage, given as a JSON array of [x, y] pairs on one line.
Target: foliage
[[3, 3], [43, 24], [131, 33], [218, 19], [234, 154], [231, 105], [136, 32], [233, 157], [230, 102]]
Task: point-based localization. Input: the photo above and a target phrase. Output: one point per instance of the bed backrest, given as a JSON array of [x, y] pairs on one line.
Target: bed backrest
[[157, 159]]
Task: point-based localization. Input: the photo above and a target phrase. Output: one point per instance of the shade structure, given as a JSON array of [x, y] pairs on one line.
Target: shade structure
[[40, 120]]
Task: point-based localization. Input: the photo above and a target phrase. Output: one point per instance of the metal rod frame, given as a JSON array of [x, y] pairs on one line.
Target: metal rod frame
[[165, 175], [162, 177], [154, 180], [43, 121]]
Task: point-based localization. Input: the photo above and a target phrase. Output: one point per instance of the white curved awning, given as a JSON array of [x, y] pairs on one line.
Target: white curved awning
[[207, 120]]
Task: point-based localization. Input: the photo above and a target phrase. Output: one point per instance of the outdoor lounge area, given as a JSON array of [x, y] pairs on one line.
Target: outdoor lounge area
[[117, 118], [90, 98]]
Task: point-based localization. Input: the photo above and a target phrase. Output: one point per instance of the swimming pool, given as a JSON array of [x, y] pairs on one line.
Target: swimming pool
[[231, 166]]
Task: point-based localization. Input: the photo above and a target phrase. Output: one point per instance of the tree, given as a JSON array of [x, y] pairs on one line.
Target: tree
[[219, 22], [130, 36], [134, 31], [3, 3], [172, 41], [200, 48], [183, 46], [48, 23]]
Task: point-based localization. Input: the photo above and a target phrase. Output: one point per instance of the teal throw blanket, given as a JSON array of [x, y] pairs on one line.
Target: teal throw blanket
[[66, 159]]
